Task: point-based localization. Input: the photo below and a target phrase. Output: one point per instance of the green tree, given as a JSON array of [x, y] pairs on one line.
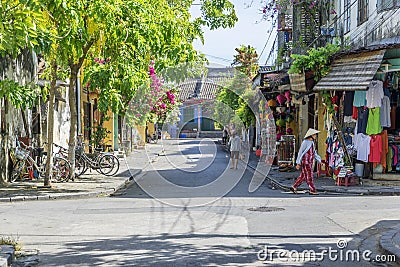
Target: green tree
[[127, 33], [149, 34], [21, 30], [245, 61], [238, 95], [21, 26]]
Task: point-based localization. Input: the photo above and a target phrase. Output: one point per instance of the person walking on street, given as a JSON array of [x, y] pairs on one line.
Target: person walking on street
[[234, 145], [305, 160], [224, 135]]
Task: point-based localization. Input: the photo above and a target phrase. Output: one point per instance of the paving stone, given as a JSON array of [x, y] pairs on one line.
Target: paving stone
[[390, 243], [7, 254]]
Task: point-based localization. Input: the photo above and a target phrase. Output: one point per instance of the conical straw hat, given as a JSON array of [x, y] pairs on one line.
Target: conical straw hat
[[310, 132]]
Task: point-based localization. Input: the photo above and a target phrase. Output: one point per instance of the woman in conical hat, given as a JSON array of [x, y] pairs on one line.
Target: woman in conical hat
[[305, 159]]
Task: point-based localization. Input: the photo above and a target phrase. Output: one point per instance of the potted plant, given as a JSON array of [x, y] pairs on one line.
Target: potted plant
[[316, 60]]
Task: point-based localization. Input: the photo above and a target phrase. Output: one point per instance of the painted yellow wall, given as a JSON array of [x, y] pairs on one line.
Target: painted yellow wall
[[109, 125], [142, 133], [150, 128]]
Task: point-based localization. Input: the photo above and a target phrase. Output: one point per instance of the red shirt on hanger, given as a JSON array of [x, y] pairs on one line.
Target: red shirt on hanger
[[375, 151]]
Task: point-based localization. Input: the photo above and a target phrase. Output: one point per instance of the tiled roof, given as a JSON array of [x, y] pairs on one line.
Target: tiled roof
[[198, 89], [207, 87]]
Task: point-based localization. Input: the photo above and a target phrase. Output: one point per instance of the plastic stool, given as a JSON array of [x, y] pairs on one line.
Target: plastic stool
[[346, 181], [322, 169]]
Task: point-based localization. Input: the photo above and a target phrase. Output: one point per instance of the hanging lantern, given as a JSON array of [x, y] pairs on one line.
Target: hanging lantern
[[281, 99]]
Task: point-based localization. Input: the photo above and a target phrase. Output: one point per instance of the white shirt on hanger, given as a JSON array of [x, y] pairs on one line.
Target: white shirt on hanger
[[362, 145], [374, 94]]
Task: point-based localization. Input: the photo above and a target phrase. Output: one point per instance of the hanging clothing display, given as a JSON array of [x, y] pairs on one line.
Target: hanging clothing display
[[385, 148], [362, 120], [374, 121], [360, 98], [375, 148], [385, 112], [374, 94], [362, 145], [374, 117], [348, 103]]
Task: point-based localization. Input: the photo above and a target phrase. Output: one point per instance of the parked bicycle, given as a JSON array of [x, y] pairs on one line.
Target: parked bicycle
[[103, 162], [79, 163], [31, 162]]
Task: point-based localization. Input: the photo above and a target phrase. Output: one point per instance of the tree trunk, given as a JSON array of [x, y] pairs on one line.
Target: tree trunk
[[74, 69], [4, 142], [50, 125], [25, 123], [74, 118]]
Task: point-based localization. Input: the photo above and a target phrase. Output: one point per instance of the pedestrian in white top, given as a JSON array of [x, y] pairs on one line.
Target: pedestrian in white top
[[234, 145]]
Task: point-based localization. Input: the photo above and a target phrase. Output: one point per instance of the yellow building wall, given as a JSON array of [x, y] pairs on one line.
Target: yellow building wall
[[109, 125], [150, 128], [142, 133]]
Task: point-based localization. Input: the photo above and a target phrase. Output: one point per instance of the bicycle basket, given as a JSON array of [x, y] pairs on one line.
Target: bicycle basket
[[78, 150], [21, 153]]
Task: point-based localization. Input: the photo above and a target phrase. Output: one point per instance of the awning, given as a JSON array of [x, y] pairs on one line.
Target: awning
[[352, 72]]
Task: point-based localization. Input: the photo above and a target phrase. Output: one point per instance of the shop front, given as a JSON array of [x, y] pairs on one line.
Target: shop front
[[280, 119], [362, 114]]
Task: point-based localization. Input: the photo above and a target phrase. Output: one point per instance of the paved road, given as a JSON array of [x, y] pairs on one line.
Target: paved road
[[193, 223]]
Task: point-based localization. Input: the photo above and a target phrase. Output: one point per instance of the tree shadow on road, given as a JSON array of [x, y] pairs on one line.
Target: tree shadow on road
[[225, 250]]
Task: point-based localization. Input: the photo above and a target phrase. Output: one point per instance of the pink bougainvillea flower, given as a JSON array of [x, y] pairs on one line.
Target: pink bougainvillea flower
[[151, 71]]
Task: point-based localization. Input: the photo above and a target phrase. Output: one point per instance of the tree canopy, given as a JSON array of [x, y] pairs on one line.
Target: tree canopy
[[236, 100]]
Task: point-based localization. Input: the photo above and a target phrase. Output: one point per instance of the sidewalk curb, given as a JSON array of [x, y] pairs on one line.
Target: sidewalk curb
[[72, 195], [389, 245], [358, 192], [7, 255]]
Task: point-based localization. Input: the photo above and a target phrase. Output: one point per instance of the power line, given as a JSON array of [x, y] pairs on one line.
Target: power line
[[272, 50], [220, 58], [266, 43]]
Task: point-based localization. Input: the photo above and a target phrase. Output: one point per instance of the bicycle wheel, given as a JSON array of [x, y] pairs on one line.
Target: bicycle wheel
[[17, 171], [80, 166], [109, 164], [61, 169]]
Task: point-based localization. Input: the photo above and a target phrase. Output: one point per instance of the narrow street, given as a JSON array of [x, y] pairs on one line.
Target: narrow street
[[189, 209]]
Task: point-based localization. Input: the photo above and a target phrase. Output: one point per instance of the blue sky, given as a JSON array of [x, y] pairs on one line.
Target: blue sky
[[249, 30]]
